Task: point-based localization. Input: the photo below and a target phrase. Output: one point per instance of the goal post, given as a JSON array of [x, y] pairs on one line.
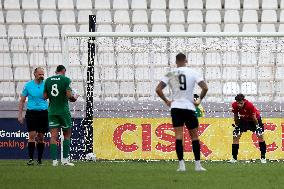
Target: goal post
[[128, 65]]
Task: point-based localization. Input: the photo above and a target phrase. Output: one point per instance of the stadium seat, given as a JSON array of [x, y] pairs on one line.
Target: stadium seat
[[49, 17], [265, 73], [54, 59], [35, 42], [230, 73], [248, 74], [250, 17], [141, 58], [195, 17], [102, 4], [195, 59], [213, 73], [158, 4], [142, 73], [215, 4], [195, 4], [103, 17], [231, 28], [101, 28], [213, 17], [251, 4], [248, 58], [158, 17], [120, 4], [249, 28], [68, 28], [65, 5], [22, 74], [50, 31], [269, 4], [47, 5], [139, 17], [176, 4], [67, 17], [1, 18], [75, 74], [3, 33], [6, 74], [216, 88], [19, 87], [11, 4], [140, 28], [29, 4], [121, 17], [122, 28], [282, 4], [138, 4], [268, 16], [249, 88], [195, 28], [230, 58], [5, 59], [31, 17], [37, 59], [4, 46], [177, 28], [84, 5], [20, 59], [230, 88], [267, 28], [176, 17], [232, 4], [232, 17], [212, 59], [83, 16], [125, 73], [14, 17], [213, 28], [264, 89], [7, 91]]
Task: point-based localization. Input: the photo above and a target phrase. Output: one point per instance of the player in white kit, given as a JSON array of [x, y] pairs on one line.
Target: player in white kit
[[182, 81]]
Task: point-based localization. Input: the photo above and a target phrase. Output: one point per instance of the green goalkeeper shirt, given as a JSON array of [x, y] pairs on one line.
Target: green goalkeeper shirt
[[56, 87]]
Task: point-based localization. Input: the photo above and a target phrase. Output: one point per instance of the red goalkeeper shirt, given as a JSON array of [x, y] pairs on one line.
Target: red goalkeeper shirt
[[247, 111]]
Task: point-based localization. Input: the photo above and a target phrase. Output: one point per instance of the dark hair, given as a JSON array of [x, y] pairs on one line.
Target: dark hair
[[60, 68], [196, 96], [239, 97], [180, 57]]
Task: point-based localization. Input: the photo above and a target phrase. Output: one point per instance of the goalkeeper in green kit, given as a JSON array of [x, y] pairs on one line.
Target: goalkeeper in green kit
[[57, 89]]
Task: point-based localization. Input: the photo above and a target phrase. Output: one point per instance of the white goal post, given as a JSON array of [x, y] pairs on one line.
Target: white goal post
[[128, 65]]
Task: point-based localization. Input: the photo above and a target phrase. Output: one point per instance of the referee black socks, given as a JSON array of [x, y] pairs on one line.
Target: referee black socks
[[235, 151], [262, 148], [40, 149], [179, 149], [196, 149], [31, 149]]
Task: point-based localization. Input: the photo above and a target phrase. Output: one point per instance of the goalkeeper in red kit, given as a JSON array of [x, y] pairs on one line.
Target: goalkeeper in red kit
[[246, 117]]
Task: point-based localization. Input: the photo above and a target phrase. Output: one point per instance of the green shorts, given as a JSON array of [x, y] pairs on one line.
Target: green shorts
[[60, 121]]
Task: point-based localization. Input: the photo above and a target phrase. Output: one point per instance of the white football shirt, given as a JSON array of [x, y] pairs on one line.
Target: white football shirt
[[182, 81]]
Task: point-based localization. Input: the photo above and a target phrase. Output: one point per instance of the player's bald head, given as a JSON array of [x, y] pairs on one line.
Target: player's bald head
[[181, 59], [39, 73]]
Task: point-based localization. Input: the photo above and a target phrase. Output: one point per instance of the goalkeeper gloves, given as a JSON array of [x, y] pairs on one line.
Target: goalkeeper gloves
[[259, 130]]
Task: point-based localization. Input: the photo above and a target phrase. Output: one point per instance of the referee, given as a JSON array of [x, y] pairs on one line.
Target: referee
[[36, 114]]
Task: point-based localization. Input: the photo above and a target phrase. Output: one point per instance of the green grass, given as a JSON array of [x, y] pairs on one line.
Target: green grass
[[132, 174]]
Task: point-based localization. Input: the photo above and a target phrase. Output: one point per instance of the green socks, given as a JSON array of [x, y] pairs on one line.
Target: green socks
[[53, 151], [66, 148]]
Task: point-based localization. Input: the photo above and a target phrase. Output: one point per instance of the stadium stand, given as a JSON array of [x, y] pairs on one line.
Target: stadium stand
[[31, 33]]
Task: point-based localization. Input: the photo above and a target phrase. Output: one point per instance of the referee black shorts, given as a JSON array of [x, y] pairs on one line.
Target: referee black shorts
[[37, 121], [181, 117]]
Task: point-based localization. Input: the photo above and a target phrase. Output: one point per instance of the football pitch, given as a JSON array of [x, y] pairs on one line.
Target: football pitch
[[141, 174]]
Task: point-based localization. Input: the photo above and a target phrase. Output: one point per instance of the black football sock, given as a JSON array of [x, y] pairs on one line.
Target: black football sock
[[40, 149], [179, 149], [262, 147], [31, 149], [196, 149], [235, 151]]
